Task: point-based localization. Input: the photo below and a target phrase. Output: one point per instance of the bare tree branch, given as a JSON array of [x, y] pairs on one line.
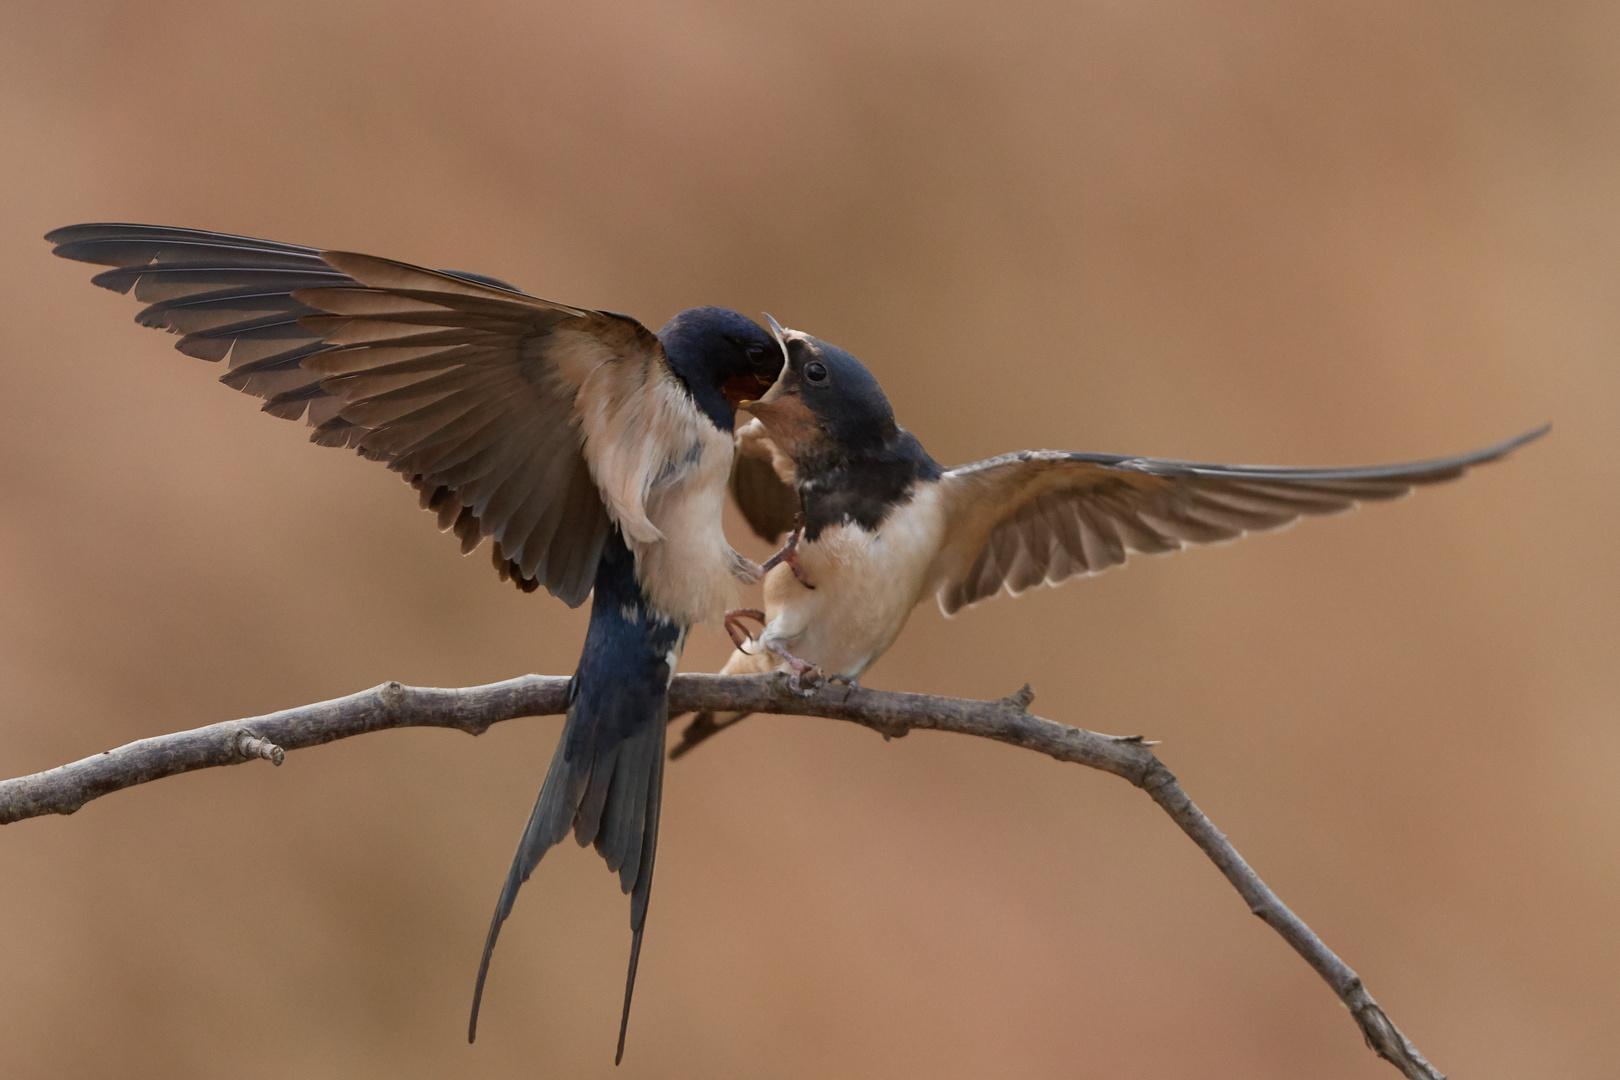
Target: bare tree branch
[[64, 789]]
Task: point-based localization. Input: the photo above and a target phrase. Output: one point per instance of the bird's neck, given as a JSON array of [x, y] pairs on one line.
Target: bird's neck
[[687, 362], [861, 489]]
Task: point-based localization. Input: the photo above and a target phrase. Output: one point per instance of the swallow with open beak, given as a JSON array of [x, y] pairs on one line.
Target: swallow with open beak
[[593, 453], [876, 524]]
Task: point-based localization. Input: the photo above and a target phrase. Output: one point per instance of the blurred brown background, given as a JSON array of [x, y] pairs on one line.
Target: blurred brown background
[[1245, 232]]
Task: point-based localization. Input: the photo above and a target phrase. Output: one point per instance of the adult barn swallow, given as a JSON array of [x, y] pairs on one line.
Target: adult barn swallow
[[879, 524], [591, 452]]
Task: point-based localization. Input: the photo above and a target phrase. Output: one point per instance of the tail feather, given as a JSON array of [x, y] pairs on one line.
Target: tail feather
[[624, 815], [548, 823], [705, 724], [607, 773], [643, 882], [588, 817]]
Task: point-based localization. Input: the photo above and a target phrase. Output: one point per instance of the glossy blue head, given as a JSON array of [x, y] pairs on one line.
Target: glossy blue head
[[723, 357], [825, 404]]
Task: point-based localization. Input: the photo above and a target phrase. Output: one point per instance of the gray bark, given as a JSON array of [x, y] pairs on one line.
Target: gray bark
[[64, 789]]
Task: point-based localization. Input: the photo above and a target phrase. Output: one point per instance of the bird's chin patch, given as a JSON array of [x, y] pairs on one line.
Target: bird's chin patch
[[790, 424]]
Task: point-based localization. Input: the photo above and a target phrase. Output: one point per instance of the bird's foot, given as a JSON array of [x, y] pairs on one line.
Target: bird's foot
[[735, 625], [800, 669], [790, 553]]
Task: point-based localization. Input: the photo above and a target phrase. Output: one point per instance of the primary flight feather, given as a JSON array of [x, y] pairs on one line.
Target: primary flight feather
[[877, 525], [591, 452]]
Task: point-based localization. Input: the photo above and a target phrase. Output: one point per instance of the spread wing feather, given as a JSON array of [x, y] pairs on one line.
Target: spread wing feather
[[523, 421], [1041, 516], [762, 480]]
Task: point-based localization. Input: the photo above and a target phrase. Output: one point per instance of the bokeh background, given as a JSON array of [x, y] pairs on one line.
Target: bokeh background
[[1256, 231]]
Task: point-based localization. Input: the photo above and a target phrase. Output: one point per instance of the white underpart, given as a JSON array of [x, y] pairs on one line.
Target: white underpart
[[673, 658], [689, 574], [866, 584], [631, 414]]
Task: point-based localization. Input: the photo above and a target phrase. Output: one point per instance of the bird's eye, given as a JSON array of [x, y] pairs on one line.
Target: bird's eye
[[756, 352], [815, 371]]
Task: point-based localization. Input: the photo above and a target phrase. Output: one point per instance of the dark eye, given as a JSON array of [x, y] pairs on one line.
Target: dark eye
[[815, 371], [756, 352]]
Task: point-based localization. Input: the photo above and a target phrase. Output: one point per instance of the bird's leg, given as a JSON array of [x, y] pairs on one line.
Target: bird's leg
[[785, 552], [800, 668], [790, 553], [734, 625]]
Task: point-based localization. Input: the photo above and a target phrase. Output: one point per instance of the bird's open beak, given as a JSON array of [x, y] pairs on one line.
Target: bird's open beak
[[770, 396], [779, 334], [776, 390]]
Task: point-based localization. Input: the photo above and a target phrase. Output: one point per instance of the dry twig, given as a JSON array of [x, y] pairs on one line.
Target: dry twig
[[65, 789]]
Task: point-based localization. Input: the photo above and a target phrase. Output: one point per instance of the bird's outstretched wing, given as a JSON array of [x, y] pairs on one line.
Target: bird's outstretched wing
[[1041, 516], [515, 418], [762, 483]]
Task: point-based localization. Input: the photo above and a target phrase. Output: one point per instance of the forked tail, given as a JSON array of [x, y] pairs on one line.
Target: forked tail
[[607, 775]]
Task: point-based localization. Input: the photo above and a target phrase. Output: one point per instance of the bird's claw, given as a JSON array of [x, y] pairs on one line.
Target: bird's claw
[[798, 670], [734, 625], [804, 669]]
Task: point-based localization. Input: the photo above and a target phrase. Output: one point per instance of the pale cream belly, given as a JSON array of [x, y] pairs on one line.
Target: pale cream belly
[[865, 587], [689, 575]]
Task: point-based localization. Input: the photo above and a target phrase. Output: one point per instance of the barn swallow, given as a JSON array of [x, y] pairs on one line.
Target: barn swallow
[[879, 524], [593, 453]]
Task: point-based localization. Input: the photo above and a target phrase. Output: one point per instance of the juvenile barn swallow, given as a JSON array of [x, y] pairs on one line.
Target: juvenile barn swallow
[[878, 524], [592, 452]]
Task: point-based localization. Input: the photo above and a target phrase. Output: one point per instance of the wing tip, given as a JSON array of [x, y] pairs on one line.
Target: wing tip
[[1509, 445], [1498, 451], [67, 234]]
